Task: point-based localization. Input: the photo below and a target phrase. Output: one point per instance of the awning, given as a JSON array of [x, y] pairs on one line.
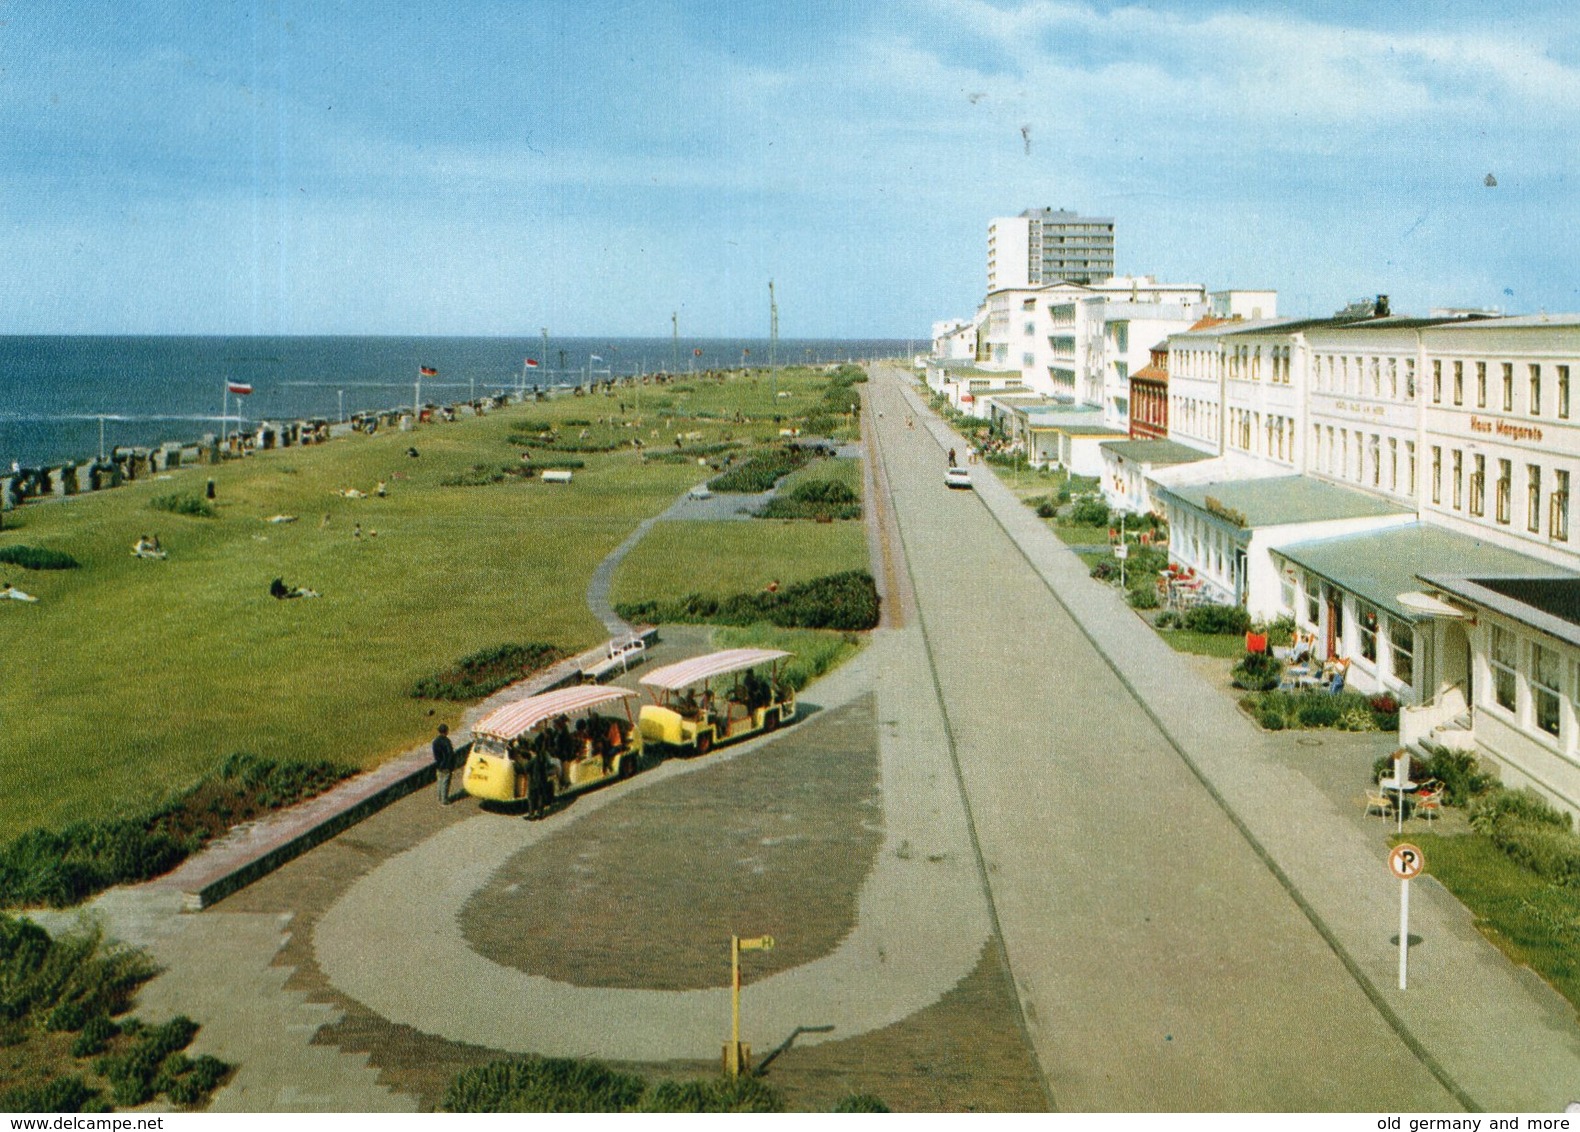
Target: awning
[[706, 667], [523, 715]]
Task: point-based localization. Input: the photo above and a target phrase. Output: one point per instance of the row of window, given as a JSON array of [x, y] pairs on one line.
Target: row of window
[[1506, 383], [1371, 460], [1544, 676], [1273, 437], [1361, 375], [1379, 635], [1555, 513]]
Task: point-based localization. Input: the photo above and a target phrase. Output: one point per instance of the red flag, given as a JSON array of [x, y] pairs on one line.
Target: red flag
[[697, 352], [427, 371], [240, 388], [532, 363]]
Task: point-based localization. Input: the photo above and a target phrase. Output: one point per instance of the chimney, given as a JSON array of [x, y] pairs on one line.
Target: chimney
[[1381, 309]]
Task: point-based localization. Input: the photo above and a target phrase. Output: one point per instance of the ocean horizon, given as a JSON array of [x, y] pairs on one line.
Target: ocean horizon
[[57, 391]]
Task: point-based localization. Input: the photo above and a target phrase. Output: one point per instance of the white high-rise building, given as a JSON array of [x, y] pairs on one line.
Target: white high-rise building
[[1045, 245]]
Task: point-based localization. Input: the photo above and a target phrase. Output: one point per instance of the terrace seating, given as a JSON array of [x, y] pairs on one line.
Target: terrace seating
[[1378, 799]]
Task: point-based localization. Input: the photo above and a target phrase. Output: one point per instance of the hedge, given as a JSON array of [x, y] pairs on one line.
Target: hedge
[[37, 558], [184, 505], [484, 673], [761, 472], [835, 601], [814, 499], [542, 1084]]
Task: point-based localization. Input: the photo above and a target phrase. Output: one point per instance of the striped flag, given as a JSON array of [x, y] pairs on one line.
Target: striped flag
[[240, 388], [427, 371], [532, 363]]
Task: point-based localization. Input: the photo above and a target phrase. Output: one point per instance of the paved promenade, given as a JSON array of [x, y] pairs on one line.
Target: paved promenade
[[1191, 924]]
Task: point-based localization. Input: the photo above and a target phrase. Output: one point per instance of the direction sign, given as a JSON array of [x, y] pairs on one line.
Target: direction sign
[[760, 943], [1406, 861]]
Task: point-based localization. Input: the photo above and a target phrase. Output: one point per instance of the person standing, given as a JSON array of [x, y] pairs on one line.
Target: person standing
[[443, 762]]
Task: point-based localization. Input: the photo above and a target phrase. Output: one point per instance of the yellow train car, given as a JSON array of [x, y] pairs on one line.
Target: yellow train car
[[598, 746], [718, 698]]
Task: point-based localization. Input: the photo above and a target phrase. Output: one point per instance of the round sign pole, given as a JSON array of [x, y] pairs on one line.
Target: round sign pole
[[1406, 863]]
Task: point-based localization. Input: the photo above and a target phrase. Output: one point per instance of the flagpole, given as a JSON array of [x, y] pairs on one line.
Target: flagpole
[[416, 401], [224, 408]]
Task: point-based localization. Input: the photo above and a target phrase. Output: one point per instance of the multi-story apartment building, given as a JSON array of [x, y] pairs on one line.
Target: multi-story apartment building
[[1045, 245]]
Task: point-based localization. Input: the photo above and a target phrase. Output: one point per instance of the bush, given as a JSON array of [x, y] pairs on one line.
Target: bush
[[1257, 672], [59, 1094], [716, 1094], [1526, 807], [192, 505], [484, 673], [37, 558], [538, 1084], [1271, 719], [95, 1037], [836, 601], [138, 1075], [1225, 619], [1458, 771], [1089, 513], [1168, 619], [1549, 851], [760, 472], [813, 499], [1143, 597], [1046, 509], [1318, 709], [482, 475], [1280, 631], [860, 1102]]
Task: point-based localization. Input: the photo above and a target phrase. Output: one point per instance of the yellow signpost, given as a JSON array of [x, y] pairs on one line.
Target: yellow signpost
[[738, 1055]]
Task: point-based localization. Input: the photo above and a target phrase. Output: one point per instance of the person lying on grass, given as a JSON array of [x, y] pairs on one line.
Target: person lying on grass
[[278, 589], [10, 591]]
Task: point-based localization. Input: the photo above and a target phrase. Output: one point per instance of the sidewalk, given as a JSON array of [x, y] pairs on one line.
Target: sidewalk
[[1495, 1035]]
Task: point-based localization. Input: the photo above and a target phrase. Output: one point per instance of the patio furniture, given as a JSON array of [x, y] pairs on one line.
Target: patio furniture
[[1377, 799], [1429, 802]]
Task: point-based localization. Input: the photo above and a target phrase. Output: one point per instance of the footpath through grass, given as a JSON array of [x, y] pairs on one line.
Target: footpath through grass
[[131, 678]]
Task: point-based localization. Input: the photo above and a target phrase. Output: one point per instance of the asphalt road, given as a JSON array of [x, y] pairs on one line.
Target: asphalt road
[[1160, 963]]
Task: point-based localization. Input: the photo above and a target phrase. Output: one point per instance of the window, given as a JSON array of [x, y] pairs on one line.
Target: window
[[1376, 368], [1331, 450], [1459, 383], [1393, 378], [1366, 618], [1313, 599], [1505, 489], [1393, 464], [1508, 387], [1563, 393], [1459, 467], [1374, 451], [1536, 389], [1401, 644], [1478, 487], [1533, 498], [1437, 381], [1437, 474], [1409, 459], [1546, 676], [1409, 379], [1558, 504], [1481, 385], [1286, 589], [1505, 659]]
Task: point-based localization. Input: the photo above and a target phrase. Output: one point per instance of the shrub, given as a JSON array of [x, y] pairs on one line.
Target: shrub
[[59, 1094], [484, 673], [1271, 719], [192, 505], [95, 1037], [760, 472], [1168, 619], [860, 1102], [1318, 709], [835, 601], [1089, 513], [1458, 771], [1549, 851], [815, 498], [716, 1094], [1280, 631], [37, 558], [1524, 806], [1257, 672], [1106, 570], [538, 1084], [1143, 597], [1225, 619], [197, 1079], [1355, 718], [482, 475]]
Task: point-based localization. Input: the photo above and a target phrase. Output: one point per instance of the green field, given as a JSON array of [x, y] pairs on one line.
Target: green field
[[720, 558], [130, 678]]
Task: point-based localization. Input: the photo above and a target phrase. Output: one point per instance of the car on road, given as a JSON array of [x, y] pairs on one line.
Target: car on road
[[957, 477], [701, 491]]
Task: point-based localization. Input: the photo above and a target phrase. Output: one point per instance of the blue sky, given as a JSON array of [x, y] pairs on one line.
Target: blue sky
[[301, 167]]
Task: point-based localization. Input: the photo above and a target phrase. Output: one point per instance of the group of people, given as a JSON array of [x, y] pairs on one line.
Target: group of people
[[148, 546], [279, 590]]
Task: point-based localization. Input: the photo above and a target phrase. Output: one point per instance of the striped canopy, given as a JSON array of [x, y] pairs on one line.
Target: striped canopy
[[675, 676], [522, 716]]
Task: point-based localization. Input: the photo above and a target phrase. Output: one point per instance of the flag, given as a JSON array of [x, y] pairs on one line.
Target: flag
[[240, 388], [532, 363], [427, 371], [697, 353], [596, 358]]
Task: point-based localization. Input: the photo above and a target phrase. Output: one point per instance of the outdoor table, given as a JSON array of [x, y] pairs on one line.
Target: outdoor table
[[1399, 789]]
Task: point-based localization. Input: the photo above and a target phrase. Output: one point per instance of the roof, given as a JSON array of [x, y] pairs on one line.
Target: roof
[[1281, 500], [1378, 566], [1154, 451], [523, 715], [1550, 604], [700, 668], [1513, 322], [1151, 372]]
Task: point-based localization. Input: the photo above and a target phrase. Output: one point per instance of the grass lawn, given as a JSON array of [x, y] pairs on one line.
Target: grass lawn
[[721, 558], [817, 651], [1532, 920], [131, 678], [1082, 536], [1230, 645]]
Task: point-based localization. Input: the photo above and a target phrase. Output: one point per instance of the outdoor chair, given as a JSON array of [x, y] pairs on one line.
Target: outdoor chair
[[1377, 799], [1429, 802]]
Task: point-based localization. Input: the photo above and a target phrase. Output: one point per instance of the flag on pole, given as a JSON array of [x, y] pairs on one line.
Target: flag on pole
[[532, 363], [240, 388], [596, 358], [697, 353], [427, 371]]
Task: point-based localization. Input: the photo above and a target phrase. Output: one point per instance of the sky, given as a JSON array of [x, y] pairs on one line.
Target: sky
[[491, 168]]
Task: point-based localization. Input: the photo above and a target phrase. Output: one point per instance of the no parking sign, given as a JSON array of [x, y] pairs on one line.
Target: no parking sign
[[1405, 861]]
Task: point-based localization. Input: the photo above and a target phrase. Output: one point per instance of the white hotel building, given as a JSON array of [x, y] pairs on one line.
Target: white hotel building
[[1401, 487]]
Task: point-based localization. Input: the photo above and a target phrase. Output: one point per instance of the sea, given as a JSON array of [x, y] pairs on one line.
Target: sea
[[62, 397]]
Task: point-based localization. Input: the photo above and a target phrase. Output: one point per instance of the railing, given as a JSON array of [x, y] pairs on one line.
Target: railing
[[1417, 721]]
